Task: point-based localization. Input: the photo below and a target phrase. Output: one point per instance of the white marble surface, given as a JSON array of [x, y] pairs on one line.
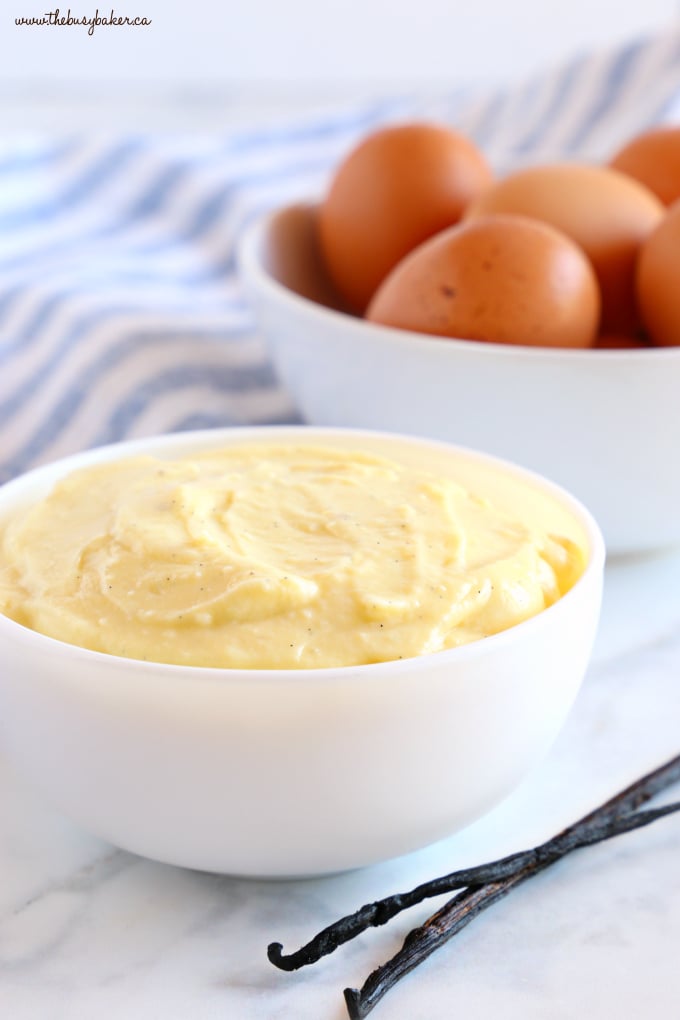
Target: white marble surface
[[88, 932]]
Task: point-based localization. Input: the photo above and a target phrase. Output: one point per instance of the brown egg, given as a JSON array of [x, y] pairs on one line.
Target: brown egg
[[653, 159], [605, 212], [658, 280], [398, 187], [505, 279]]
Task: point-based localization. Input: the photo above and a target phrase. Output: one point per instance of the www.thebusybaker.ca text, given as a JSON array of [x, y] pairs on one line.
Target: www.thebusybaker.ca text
[[55, 17]]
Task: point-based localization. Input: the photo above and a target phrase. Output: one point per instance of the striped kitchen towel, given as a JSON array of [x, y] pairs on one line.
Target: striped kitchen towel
[[121, 312]]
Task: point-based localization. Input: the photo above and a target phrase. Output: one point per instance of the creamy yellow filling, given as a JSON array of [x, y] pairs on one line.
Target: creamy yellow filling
[[276, 557]]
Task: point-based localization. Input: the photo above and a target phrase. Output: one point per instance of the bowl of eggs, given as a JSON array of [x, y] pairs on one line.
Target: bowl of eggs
[[534, 316], [283, 651]]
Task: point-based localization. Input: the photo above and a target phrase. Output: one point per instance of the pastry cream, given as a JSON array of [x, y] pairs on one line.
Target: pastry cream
[[277, 557]]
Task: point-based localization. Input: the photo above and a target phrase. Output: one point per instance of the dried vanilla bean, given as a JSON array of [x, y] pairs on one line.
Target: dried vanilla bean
[[381, 911], [477, 888], [468, 904]]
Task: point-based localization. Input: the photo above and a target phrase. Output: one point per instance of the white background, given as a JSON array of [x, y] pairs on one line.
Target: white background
[[203, 52]]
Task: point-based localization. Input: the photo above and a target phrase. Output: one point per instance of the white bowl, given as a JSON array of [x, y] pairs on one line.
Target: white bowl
[[603, 423], [292, 772]]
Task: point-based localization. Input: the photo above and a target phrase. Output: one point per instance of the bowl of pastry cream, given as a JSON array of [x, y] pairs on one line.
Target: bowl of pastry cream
[[288, 650]]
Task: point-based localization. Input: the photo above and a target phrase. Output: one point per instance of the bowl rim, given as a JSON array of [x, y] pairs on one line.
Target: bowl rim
[[595, 552], [248, 251]]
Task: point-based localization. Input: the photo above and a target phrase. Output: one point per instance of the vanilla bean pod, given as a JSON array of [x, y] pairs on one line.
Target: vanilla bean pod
[[380, 912], [468, 904]]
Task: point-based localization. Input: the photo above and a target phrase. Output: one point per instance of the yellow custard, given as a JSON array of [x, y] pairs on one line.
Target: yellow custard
[[262, 556]]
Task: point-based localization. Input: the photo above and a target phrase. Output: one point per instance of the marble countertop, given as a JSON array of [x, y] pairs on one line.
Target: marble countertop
[[89, 932]]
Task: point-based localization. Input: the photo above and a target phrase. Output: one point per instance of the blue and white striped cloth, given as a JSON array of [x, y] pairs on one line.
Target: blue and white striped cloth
[[121, 312]]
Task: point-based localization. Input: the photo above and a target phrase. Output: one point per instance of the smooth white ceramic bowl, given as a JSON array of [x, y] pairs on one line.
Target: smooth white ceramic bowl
[[603, 423], [292, 772]]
